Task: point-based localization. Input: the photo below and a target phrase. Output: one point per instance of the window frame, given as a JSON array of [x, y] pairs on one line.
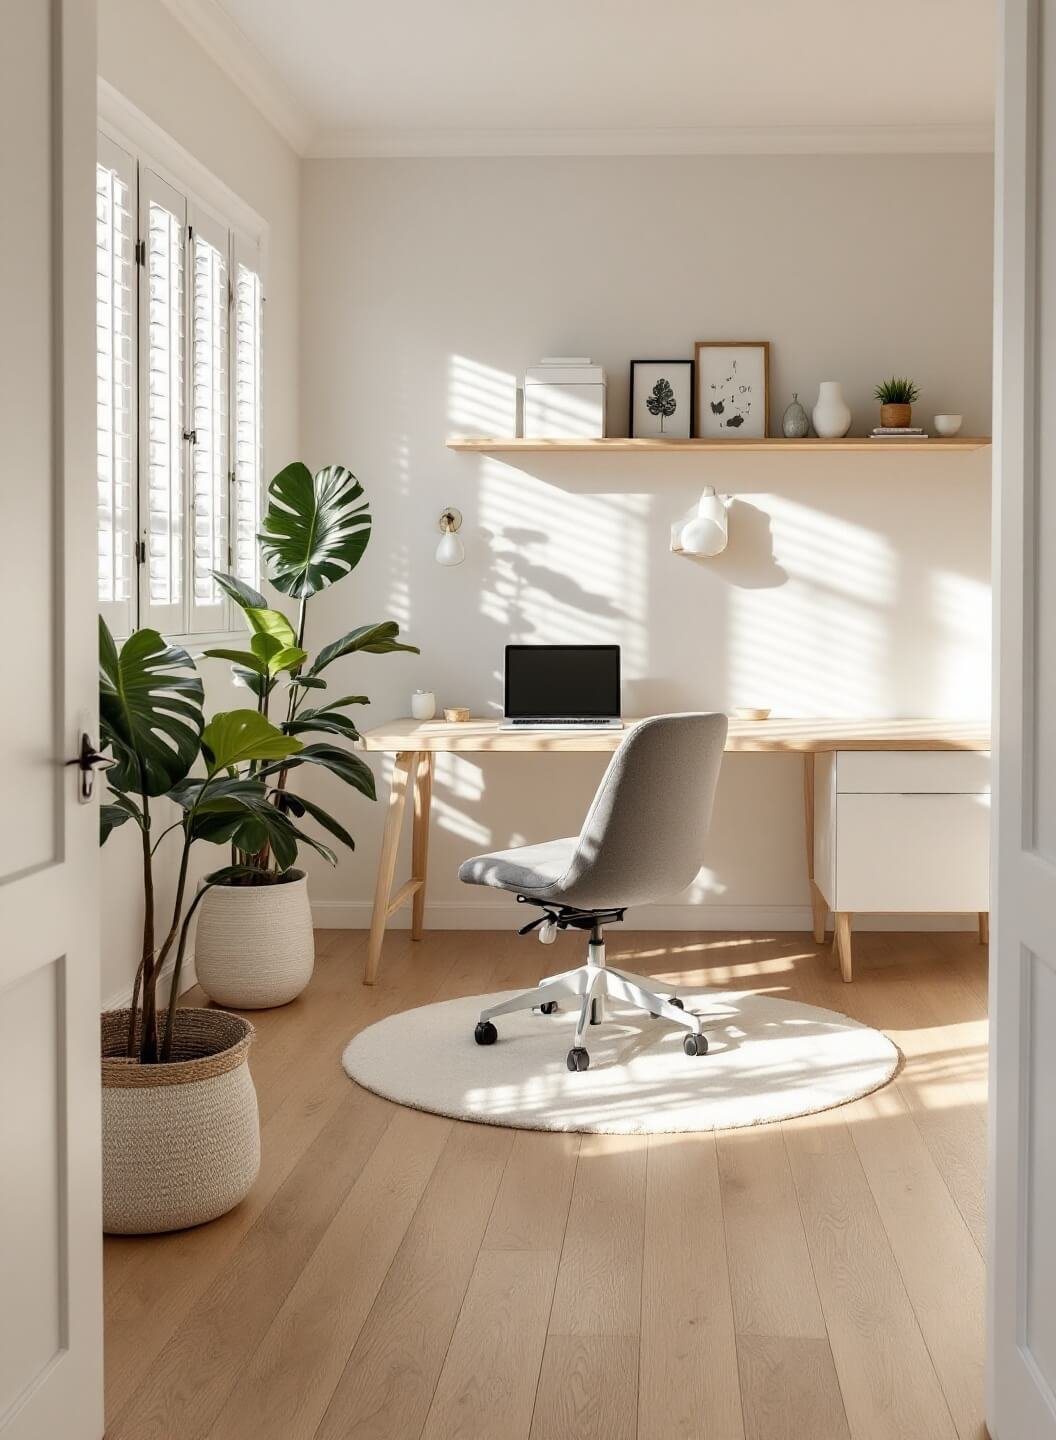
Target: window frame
[[161, 165]]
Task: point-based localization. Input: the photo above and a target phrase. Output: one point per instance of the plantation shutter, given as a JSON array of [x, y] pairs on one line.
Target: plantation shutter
[[209, 388], [247, 476], [115, 370], [162, 447]]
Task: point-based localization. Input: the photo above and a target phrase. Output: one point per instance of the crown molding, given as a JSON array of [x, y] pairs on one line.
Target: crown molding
[[704, 140], [246, 67]]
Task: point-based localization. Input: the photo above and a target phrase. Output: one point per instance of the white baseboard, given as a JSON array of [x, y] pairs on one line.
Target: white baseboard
[[451, 915], [120, 999]]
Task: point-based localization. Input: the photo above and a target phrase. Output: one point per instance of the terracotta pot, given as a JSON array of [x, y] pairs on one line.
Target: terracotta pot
[[896, 417], [181, 1141], [255, 947]]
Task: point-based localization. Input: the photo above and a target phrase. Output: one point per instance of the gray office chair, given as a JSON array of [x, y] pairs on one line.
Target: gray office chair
[[642, 840]]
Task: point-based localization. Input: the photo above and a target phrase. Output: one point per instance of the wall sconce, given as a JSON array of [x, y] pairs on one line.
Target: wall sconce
[[450, 551], [707, 532]]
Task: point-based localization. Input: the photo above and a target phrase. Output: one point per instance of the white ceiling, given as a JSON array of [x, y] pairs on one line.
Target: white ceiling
[[359, 77]]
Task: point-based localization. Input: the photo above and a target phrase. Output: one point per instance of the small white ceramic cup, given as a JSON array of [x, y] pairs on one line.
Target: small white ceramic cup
[[423, 704], [948, 424]]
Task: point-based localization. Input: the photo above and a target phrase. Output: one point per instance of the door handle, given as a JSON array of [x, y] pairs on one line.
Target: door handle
[[88, 761]]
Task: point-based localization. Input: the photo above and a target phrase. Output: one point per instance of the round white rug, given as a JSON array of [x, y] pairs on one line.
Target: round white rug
[[767, 1060]]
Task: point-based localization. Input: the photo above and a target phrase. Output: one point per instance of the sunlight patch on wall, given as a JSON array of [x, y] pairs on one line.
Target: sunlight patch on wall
[[820, 641], [961, 609], [398, 595], [480, 399], [565, 567]]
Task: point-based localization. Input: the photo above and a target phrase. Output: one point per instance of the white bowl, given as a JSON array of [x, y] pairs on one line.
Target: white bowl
[[948, 424]]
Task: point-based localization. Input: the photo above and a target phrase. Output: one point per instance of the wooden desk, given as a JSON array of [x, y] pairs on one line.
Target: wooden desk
[[414, 744]]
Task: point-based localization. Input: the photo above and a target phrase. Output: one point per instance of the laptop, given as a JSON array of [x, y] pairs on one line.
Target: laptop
[[562, 687]]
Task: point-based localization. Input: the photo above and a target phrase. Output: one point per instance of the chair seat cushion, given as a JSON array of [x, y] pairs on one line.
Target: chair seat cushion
[[525, 870]]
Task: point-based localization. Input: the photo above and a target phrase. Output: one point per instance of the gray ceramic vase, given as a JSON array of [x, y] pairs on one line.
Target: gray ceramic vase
[[795, 422]]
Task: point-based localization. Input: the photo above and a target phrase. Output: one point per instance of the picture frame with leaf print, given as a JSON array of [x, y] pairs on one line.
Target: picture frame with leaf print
[[663, 401], [733, 385]]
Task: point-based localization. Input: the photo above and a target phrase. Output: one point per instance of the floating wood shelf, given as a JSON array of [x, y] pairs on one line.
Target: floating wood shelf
[[857, 444]]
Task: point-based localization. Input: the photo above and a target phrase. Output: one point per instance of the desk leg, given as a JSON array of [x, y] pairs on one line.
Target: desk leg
[[390, 844], [819, 908], [423, 799]]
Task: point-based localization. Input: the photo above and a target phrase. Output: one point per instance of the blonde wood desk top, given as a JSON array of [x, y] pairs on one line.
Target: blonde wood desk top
[[797, 736]]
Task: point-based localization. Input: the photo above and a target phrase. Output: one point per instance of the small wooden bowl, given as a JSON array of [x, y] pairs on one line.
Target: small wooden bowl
[[751, 712], [456, 714]]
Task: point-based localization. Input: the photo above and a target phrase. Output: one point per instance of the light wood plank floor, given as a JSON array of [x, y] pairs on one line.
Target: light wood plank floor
[[396, 1275]]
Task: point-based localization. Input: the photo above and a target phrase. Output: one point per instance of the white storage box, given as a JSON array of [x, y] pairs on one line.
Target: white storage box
[[564, 402]]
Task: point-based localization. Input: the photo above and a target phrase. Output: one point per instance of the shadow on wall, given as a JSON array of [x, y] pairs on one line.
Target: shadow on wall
[[748, 560]]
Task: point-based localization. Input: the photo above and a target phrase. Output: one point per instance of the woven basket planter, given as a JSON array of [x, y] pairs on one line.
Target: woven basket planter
[[896, 417], [181, 1141], [255, 947]]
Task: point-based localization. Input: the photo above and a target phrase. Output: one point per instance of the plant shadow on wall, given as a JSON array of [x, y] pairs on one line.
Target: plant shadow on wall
[[229, 781], [514, 576]]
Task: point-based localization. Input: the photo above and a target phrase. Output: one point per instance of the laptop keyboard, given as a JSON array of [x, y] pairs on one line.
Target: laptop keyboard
[[564, 720]]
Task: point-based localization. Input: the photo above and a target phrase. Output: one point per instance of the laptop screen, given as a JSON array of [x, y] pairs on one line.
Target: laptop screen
[[556, 682]]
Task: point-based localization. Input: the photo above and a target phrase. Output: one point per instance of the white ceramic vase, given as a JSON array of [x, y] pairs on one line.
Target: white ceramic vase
[[832, 414], [254, 947]]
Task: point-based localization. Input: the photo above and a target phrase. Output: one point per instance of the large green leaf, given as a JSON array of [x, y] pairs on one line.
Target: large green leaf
[[315, 529], [342, 763], [276, 657], [244, 658], [263, 621], [376, 639], [150, 709], [241, 593], [299, 806], [324, 722], [235, 736]]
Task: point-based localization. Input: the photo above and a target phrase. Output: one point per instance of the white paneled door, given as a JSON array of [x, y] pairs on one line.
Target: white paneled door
[[1022, 1262], [50, 1286]]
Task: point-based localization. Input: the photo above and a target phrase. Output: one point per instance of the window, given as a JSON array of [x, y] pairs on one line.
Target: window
[[179, 310]]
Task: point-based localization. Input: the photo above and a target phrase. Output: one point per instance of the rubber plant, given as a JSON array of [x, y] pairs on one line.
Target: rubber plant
[[314, 533], [153, 724]]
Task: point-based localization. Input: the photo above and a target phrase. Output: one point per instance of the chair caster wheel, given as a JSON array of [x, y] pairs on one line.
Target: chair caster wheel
[[577, 1059], [485, 1033], [548, 1007], [695, 1044]]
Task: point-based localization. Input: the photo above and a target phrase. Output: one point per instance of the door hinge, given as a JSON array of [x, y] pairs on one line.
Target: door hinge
[[141, 552], [141, 252]]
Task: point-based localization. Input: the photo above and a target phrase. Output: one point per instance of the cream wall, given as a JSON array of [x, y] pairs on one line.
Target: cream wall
[[853, 585], [152, 60]]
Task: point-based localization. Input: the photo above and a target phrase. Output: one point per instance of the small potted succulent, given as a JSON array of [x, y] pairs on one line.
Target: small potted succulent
[[896, 398], [255, 946]]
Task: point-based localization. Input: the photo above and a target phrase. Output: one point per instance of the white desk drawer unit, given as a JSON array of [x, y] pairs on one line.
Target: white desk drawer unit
[[901, 831]]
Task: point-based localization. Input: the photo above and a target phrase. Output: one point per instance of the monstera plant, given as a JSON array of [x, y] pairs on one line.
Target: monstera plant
[[254, 945], [154, 727]]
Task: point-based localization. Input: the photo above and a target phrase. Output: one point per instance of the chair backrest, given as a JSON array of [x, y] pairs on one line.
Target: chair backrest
[[643, 838]]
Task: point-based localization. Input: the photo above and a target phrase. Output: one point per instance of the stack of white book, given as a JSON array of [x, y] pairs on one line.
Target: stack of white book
[[891, 432]]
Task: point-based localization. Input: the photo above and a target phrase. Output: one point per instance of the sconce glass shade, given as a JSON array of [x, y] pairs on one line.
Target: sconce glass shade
[[450, 551], [707, 533]]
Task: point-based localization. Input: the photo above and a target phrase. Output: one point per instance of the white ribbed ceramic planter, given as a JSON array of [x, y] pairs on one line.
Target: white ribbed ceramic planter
[[254, 947], [181, 1141]]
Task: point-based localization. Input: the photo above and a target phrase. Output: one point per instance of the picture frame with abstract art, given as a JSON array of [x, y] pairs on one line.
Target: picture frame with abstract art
[[732, 389], [662, 399]]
